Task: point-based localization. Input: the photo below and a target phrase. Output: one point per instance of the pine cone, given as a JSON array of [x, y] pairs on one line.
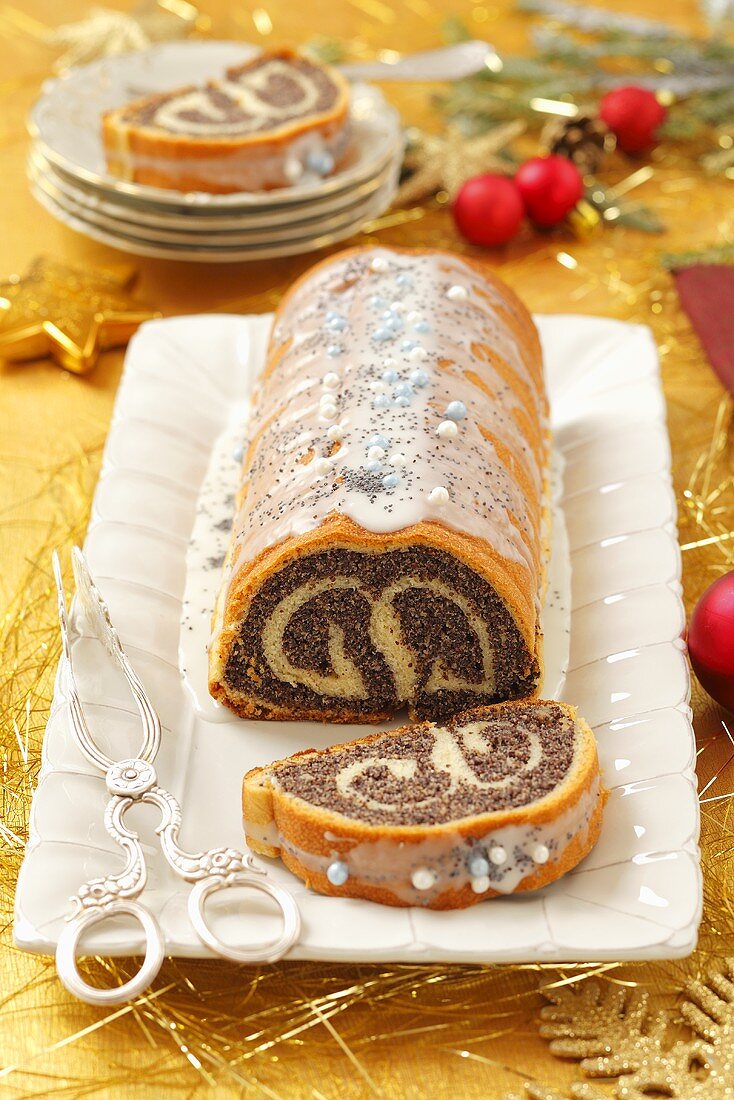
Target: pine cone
[[584, 139]]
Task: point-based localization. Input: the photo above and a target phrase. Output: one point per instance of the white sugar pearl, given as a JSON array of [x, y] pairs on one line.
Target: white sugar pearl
[[322, 465], [423, 878], [335, 432], [328, 411], [540, 854], [413, 316], [498, 855], [375, 454], [396, 307], [388, 362], [457, 293], [439, 496], [398, 459], [331, 380], [377, 386], [327, 399], [417, 353], [480, 885], [293, 170], [447, 429], [378, 263]]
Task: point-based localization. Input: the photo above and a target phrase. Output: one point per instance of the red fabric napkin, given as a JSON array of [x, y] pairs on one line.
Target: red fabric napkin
[[707, 295]]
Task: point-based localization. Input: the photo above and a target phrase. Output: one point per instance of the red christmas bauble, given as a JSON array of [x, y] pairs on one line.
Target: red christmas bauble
[[550, 188], [488, 210], [634, 116], [711, 640]]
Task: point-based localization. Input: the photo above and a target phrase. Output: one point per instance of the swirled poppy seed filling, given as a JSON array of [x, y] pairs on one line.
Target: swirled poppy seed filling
[[502, 762], [325, 629]]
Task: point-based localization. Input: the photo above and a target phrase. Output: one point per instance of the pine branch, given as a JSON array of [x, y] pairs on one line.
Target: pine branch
[[707, 55], [590, 19], [716, 254], [632, 214]]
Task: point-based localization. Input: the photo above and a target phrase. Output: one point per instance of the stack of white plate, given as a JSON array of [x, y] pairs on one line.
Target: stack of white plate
[[68, 175]]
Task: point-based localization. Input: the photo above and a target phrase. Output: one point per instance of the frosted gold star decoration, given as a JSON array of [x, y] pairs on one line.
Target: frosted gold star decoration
[[67, 312], [444, 163], [108, 33]]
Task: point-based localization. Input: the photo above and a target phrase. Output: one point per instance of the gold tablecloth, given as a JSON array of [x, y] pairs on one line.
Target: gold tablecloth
[[307, 1030]]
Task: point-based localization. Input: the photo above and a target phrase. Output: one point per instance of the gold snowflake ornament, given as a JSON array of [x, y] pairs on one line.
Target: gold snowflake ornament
[[444, 163], [612, 1034], [68, 312]]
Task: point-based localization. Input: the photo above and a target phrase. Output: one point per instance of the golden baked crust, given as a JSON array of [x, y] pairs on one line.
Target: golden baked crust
[[147, 154], [279, 824], [509, 578]]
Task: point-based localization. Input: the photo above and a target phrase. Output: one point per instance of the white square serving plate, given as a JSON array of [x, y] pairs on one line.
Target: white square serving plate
[[636, 896]]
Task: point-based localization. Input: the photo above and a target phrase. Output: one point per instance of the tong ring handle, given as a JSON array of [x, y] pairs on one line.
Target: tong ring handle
[[66, 953], [268, 952]]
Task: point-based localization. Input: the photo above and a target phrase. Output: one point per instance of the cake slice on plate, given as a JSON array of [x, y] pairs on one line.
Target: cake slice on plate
[[260, 127], [497, 800]]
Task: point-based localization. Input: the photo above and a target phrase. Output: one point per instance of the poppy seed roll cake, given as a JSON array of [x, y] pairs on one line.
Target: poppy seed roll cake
[[497, 800], [261, 126], [391, 531]]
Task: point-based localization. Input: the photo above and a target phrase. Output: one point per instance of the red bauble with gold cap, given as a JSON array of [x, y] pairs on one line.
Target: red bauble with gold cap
[[550, 188]]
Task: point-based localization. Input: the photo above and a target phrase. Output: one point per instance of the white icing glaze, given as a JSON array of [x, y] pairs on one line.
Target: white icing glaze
[[390, 863], [334, 322], [264, 833], [243, 170]]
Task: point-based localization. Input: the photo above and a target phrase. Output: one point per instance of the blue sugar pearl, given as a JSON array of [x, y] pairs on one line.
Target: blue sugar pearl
[[390, 375], [456, 410], [408, 345], [392, 320], [421, 326], [334, 351], [376, 301], [391, 481], [381, 334], [382, 401], [331, 315], [402, 402], [404, 281], [373, 466], [337, 872], [336, 324], [419, 378], [320, 162], [404, 390], [378, 440], [478, 866]]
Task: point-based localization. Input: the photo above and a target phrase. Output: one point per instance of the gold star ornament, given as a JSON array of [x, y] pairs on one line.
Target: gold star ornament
[[67, 312], [444, 163], [105, 32]]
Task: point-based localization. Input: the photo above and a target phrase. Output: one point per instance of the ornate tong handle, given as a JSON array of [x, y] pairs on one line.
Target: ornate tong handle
[[128, 782]]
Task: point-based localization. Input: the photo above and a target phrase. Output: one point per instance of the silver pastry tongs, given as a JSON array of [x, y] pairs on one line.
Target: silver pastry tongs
[[128, 782]]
